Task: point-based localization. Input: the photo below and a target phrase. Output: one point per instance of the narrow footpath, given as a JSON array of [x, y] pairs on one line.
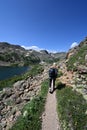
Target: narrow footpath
[[50, 117]]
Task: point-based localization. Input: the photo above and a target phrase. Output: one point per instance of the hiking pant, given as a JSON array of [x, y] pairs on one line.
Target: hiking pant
[[50, 82]]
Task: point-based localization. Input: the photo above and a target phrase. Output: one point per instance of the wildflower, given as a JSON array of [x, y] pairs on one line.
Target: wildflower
[[25, 113]]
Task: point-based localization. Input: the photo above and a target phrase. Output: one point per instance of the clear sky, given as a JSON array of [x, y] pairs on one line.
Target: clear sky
[[46, 24]]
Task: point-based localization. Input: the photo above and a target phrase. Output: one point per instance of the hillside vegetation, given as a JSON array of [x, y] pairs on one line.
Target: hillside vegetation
[[78, 56], [72, 109]]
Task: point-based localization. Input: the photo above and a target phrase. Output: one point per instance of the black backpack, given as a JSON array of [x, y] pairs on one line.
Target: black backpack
[[52, 72]]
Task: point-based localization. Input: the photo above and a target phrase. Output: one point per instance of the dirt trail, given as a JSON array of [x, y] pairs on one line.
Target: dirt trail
[[49, 117]]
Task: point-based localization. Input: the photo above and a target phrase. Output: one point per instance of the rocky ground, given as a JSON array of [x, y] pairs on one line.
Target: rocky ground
[[13, 99], [77, 80]]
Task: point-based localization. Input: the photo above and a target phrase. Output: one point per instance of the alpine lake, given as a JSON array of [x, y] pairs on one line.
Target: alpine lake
[[8, 72]]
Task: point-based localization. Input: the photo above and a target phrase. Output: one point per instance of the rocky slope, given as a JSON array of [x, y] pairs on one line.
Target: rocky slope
[[74, 69], [12, 100], [75, 79], [17, 55]]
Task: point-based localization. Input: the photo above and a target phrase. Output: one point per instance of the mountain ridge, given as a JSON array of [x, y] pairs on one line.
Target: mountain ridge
[[16, 55]]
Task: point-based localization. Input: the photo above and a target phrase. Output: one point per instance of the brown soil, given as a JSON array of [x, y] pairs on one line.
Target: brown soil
[[67, 76]]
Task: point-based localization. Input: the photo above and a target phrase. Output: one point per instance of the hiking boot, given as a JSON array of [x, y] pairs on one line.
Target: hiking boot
[[49, 90]]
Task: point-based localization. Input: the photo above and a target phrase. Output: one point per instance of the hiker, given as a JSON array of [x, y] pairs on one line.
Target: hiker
[[53, 71]]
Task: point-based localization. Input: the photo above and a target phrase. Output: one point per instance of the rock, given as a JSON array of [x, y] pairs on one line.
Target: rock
[[83, 82], [79, 80], [14, 97], [83, 77], [6, 93], [86, 57], [26, 98], [11, 118], [13, 111], [26, 90], [31, 89], [18, 113], [1, 107], [18, 84], [17, 94], [18, 101], [3, 123], [82, 69], [0, 117]]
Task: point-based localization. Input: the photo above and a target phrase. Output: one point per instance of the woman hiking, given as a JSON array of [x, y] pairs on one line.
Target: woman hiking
[[53, 71]]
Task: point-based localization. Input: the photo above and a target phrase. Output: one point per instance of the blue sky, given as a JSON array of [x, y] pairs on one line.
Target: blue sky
[[53, 25]]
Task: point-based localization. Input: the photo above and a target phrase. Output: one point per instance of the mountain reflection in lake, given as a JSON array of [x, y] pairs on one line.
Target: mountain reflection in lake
[[8, 72]]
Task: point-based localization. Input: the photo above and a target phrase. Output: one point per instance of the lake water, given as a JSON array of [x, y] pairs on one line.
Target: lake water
[[8, 72]]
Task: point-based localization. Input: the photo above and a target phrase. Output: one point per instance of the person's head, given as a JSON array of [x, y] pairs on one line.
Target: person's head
[[54, 64]]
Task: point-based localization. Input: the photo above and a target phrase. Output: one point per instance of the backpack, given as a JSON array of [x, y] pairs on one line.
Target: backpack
[[52, 72]]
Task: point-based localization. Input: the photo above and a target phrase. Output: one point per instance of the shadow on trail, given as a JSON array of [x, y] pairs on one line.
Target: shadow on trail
[[60, 86]]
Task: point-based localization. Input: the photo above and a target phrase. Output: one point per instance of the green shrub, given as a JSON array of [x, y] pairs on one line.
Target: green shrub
[[72, 109], [60, 73]]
